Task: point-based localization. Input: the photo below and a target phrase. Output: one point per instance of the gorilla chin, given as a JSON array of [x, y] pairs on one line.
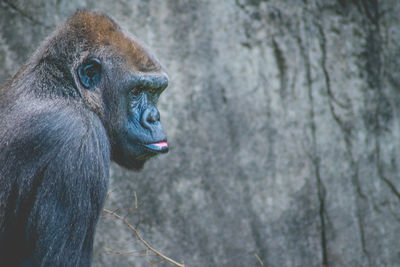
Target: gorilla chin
[[141, 153]]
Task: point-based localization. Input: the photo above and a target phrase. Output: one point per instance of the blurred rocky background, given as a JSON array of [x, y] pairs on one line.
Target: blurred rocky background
[[283, 119]]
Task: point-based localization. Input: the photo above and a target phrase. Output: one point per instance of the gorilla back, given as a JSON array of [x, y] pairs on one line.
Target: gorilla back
[[88, 95]]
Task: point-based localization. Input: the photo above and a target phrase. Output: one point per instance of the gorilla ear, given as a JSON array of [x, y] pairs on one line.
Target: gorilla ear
[[89, 73]]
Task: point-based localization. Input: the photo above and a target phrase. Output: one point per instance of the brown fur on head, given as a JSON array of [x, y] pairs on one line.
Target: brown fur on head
[[101, 31]]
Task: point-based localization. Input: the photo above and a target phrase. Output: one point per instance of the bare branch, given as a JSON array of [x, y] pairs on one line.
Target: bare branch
[[259, 259], [141, 239]]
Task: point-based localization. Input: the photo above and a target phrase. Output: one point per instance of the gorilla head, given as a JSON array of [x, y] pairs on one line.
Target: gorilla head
[[120, 81]]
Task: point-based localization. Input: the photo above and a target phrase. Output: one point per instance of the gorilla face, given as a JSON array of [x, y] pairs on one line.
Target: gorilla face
[[140, 135]]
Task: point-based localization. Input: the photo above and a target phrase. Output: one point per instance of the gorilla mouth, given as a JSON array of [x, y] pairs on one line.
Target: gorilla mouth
[[159, 147]]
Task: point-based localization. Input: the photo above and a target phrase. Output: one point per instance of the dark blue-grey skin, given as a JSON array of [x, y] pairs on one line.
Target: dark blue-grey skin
[[87, 96]]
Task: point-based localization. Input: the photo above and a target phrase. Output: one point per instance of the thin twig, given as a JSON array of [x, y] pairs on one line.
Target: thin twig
[[136, 201], [259, 259], [141, 239]]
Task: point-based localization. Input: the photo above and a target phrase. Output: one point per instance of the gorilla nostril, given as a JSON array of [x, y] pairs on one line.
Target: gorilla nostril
[[150, 116], [154, 115]]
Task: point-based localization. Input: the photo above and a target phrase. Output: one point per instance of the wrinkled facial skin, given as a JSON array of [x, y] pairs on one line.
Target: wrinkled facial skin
[[139, 134]]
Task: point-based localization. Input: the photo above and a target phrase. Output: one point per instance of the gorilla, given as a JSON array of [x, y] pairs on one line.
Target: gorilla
[[87, 96]]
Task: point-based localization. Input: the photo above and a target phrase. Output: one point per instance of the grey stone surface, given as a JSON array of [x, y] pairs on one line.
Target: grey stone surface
[[283, 122]]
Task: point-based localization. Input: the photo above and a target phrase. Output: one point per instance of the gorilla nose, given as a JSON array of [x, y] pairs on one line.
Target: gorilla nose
[[149, 117]]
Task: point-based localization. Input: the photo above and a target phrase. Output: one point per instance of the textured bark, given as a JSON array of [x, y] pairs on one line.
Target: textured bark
[[283, 121]]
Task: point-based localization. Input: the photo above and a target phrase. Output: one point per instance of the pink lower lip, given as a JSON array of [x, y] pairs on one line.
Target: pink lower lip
[[159, 147], [161, 144]]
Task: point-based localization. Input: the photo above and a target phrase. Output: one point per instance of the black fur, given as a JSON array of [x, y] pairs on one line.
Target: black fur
[[54, 175], [57, 138]]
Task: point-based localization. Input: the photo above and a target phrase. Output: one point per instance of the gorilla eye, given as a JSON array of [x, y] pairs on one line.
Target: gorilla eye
[[137, 90], [89, 73]]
